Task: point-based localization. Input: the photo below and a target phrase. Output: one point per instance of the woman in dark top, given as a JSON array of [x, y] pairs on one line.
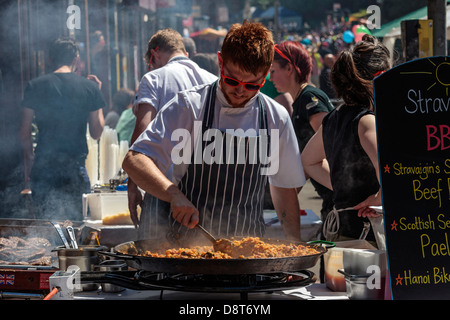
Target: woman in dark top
[[290, 72], [343, 154]]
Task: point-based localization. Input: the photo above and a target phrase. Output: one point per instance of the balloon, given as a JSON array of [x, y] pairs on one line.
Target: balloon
[[305, 42], [359, 31], [348, 36]]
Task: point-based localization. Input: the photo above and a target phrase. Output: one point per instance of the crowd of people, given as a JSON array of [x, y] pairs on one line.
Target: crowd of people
[[308, 98]]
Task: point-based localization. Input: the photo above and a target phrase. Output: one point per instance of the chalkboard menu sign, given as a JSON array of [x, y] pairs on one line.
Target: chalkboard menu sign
[[412, 107]]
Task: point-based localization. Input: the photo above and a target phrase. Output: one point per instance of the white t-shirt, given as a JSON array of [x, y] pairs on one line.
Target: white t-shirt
[[159, 86], [184, 115]]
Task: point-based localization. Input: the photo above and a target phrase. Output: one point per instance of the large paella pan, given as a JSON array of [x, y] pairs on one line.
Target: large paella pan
[[134, 253]]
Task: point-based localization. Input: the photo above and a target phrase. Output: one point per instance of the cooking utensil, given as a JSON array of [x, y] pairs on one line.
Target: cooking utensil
[[206, 233], [85, 257], [129, 252], [222, 245], [61, 234], [73, 240], [357, 288]]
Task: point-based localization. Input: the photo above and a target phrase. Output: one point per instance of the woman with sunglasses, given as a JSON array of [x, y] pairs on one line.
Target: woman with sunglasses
[[290, 72], [224, 131]]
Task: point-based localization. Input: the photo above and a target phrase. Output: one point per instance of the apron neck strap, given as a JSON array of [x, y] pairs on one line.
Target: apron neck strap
[[208, 116]]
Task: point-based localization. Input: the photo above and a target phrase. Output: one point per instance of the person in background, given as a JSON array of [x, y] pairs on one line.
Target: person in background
[[99, 60], [62, 103], [122, 100], [291, 70], [170, 71], [190, 46], [207, 61], [224, 194], [127, 120], [343, 154], [284, 98], [325, 81]]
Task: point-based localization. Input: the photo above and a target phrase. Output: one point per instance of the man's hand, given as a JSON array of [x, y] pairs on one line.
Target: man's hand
[[184, 211], [96, 80], [134, 200]]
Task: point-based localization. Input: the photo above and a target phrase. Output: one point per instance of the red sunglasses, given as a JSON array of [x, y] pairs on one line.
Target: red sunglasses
[[247, 85], [151, 60], [234, 82]]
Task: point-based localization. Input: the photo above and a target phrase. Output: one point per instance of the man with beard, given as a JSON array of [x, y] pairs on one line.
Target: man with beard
[[209, 134]]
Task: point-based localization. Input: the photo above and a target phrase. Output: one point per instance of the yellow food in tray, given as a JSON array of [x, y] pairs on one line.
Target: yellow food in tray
[[122, 218], [118, 219]]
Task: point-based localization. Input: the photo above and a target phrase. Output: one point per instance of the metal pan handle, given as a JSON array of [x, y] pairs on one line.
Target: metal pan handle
[[116, 255]]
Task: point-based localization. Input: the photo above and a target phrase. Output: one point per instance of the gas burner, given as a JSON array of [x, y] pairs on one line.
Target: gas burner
[[229, 283], [243, 284]]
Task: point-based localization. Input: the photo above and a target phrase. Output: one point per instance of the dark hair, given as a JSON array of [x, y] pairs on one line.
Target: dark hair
[[250, 46], [62, 52], [354, 71], [122, 99], [190, 46], [207, 61], [298, 56]]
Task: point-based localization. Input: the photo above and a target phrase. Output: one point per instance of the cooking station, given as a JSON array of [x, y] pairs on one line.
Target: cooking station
[[142, 285], [104, 275], [90, 267]]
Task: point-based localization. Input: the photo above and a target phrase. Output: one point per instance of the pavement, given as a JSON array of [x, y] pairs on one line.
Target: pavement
[[309, 199]]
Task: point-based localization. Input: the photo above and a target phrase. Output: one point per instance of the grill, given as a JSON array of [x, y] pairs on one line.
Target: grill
[[204, 283]]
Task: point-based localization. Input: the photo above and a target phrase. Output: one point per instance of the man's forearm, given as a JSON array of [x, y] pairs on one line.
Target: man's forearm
[[288, 211], [144, 172]]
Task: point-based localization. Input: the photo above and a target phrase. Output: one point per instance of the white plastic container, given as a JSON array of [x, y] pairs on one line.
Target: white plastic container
[[106, 204]]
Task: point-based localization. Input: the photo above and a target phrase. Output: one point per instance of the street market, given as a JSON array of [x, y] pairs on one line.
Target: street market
[[217, 153]]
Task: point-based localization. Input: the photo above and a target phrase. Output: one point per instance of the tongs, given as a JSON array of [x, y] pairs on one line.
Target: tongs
[[73, 240], [61, 234], [71, 233]]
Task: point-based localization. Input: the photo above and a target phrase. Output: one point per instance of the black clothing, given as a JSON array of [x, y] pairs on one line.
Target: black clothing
[[353, 175], [62, 103], [325, 83], [310, 102]]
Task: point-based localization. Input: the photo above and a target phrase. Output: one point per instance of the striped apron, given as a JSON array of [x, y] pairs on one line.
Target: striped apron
[[228, 192]]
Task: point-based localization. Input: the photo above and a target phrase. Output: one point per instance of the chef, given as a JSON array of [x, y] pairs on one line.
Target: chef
[[225, 140]]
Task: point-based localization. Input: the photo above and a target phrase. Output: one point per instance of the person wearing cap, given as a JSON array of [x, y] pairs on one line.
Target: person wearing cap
[[225, 140], [170, 71]]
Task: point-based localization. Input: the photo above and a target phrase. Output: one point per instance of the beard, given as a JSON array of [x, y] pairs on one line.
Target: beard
[[232, 101]]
